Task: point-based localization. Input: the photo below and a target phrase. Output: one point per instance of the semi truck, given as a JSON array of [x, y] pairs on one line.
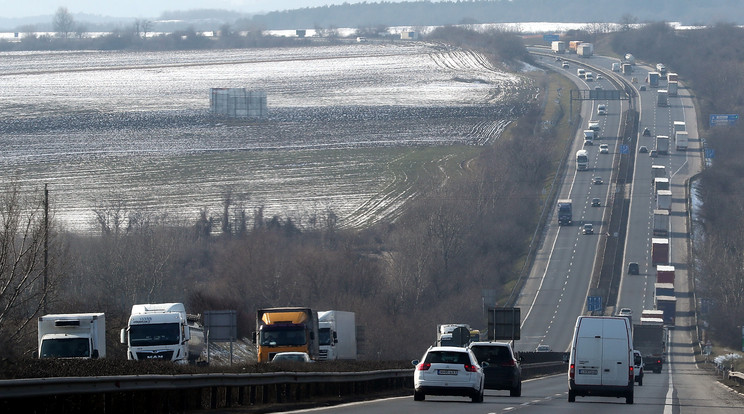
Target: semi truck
[[616, 66], [627, 68], [665, 274], [659, 251], [289, 329], [650, 340], [664, 289], [662, 144], [664, 200], [661, 183], [673, 77], [157, 331], [582, 160], [658, 171], [662, 97], [667, 304], [672, 88], [453, 334], [565, 213], [662, 70], [653, 79], [337, 335], [661, 223], [573, 45], [74, 335], [630, 59], [558, 46], [681, 140], [585, 49]]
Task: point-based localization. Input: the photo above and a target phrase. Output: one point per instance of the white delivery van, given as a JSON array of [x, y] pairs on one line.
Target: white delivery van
[[601, 359]]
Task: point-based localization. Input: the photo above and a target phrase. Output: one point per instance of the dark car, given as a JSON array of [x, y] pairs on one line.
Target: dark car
[[646, 132], [596, 202], [642, 149], [503, 371], [633, 268]]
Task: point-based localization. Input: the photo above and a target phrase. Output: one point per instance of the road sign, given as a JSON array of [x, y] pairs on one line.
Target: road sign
[[624, 149], [504, 324], [723, 119], [710, 153], [551, 37], [593, 303]]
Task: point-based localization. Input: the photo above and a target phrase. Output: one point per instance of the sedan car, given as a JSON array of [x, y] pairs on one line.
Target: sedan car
[[596, 202], [543, 348], [291, 357], [642, 149], [604, 149], [587, 229], [449, 370], [633, 268], [502, 369], [597, 180]]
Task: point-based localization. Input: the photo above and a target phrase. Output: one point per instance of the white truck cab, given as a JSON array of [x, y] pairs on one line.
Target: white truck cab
[[157, 331]]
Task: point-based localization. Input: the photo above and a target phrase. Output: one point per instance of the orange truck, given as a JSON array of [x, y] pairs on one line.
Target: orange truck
[[290, 329]]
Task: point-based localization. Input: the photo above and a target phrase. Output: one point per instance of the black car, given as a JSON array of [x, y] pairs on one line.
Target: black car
[[503, 371], [633, 268]]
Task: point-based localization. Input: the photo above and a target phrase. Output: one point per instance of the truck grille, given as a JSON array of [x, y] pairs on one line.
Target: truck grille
[[159, 355]]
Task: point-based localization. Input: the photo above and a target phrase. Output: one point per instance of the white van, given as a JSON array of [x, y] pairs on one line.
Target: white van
[[601, 109], [601, 361]]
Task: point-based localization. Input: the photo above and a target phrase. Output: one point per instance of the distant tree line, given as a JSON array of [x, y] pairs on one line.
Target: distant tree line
[[710, 61]]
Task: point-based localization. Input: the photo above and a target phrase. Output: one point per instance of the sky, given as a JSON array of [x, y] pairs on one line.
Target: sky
[[152, 8]]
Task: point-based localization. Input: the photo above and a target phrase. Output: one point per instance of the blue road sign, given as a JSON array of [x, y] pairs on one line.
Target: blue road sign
[[551, 37], [594, 303], [710, 153], [624, 149], [723, 119]]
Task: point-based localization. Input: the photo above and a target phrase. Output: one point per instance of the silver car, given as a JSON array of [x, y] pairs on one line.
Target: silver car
[[448, 370]]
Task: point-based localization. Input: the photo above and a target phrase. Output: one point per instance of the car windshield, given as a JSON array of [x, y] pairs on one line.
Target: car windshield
[[492, 354], [447, 357]]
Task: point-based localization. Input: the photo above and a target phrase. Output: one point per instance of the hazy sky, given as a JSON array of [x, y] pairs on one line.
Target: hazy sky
[[152, 8]]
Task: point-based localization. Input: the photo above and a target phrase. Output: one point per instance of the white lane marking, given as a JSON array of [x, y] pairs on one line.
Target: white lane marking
[[670, 392]]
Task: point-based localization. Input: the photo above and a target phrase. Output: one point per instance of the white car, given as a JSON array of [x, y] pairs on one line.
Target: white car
[[291, 357], [604, 149], [638, 367], [448, 370]]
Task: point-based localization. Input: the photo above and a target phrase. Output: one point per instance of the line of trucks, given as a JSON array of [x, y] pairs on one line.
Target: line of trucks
[[579, 47], [164, 331]]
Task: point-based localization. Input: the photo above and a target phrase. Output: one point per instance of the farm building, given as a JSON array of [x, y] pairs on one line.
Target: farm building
[[238, 103], [409, 35]]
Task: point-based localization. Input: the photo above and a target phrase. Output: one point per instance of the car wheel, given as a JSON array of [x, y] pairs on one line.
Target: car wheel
[[629, 398], [571, 396], [516, 391], [418, 396], [640, 381], [478, 398]]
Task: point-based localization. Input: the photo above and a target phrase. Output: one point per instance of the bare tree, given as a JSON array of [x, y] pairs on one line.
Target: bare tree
[[63, 23], [26, 282]]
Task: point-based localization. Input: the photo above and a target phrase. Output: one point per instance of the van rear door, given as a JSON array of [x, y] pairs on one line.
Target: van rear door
[[615, 353], [588, 352]]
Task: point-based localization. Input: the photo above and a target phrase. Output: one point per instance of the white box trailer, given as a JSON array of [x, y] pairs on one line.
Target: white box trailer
[[337, 335], [681, 140], [78, 335], [558, 46]]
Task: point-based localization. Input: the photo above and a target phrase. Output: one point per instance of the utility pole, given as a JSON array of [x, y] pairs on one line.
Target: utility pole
[[46, 245]]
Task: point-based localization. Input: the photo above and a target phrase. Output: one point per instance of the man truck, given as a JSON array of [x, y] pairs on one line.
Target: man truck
[[337, 335], [157, 331], [291, 329], [78, 335], [565, 215]]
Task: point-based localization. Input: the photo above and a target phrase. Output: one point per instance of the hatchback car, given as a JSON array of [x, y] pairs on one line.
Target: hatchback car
[[291, 357], [502, 370], [449, 370], [587, 229], [646, 132], [604, 149], [642, 149], [638, 367], [633, 268], [564, 65], [643, 88], [543, 348], [596, 202], [597, 180], [653, 154]]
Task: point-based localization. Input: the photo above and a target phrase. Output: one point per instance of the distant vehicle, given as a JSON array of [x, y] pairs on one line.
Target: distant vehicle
[[587, 229], [558, 59], [638, 367], [449, 370], [589, 77], [588, 142], [582, 160], [597, 180], [564, 65], [643, 88], [502, 371], [558, 46], [361, 39], [157, 331], [596, 202], [646, 132], [75, 335], [625, 312], [581, 73], [642, 149], [543, 348], [653, 154], [601, 109], [565, 214], [633, 268], [601, 359], [604, 149], [291, 357], [599, 76]]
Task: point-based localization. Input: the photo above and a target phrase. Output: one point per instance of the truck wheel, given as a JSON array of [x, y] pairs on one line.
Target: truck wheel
[[571, 396], [418, 396]]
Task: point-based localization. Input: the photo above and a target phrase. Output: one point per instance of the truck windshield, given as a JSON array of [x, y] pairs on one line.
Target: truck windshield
[[283, 335], [324, 336], [154, 334], [65, 348]]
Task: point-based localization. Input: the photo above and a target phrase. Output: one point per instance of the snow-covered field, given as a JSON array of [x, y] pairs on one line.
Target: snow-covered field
[[102, 127]]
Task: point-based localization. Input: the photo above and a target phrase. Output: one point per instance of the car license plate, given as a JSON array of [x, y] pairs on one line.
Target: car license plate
[[588, 371], [447, 371]]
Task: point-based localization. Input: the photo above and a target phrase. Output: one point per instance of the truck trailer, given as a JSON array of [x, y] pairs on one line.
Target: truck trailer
[[290, 329], [337, 335], [157, 331], [558, 46], [659, 251], [681, 140], [662, 144], [664, 200], [74, 335], [662, 97], [672, 88], [667, 304], [665, 274], [653, 79], [565, 213], [650, 340], [661, 223], [585, 49]]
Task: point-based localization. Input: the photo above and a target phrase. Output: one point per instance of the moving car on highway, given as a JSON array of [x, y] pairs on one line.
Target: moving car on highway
[[449, 370], [502, 370]]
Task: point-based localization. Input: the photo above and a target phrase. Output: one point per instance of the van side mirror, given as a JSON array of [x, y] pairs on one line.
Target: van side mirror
[[123, 336], [94, 354]]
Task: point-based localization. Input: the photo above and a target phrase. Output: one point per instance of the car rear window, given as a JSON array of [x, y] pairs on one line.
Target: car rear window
[[447, 357], [492, 354]]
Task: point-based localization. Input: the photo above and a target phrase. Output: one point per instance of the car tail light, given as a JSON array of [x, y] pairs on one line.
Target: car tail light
[[631, 376], [572, 371], [424, 367], [658, 361], [471, 368], [509, 363]]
